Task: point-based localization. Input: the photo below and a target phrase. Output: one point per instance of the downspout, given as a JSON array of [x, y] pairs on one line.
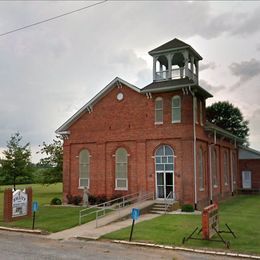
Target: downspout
[[210, 174], [194, 150]]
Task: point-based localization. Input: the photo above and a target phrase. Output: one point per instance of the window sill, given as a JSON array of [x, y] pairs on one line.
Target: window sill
[[215, 186], [121, 189], [201, 189], [226, 184], [82, 188], [158, 123], [176, 122]]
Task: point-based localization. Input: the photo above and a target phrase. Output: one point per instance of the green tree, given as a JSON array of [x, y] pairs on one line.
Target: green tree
[[227, 116], [52, 164], [16, 166]]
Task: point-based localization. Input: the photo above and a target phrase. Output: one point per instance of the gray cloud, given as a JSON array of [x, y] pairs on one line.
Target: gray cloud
[[211, 88], [245, 70], [205, 66], [247, 23]]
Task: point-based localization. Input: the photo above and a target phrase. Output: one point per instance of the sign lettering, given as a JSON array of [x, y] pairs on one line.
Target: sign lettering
[[20, 200]]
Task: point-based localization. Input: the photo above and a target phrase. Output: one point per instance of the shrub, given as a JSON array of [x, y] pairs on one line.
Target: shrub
[[56, 201], [187, 208], [69, 198], [101, 199], [94, 200], [76, 200]]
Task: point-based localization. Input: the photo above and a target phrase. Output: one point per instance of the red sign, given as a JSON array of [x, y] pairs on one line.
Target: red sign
[[210, 221]]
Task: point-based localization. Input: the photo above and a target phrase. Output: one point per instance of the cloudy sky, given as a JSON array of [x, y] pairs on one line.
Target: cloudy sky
[[51, 70]]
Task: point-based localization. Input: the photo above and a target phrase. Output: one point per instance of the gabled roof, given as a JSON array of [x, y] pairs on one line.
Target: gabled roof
[[175, 84], [89, 106], [172, 45]]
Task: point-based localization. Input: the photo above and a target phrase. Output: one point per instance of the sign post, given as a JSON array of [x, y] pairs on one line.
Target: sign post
[[134, 215], [35, 207]]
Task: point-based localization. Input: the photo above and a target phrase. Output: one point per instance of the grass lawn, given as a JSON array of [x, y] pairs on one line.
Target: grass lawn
[[51, 219], [241, 213]]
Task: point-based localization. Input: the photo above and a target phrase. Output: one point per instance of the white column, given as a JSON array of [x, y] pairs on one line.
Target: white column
[[154, 68], [186, 59], [169, 57], [192, 67], [197, 70]]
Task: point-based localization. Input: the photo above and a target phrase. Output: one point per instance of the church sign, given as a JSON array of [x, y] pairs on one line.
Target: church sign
[[20, 201], [210, 221], [17, 204]]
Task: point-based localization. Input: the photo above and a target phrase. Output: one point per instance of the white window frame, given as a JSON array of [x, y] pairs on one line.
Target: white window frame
[[214, 167], [226, 167], [120, 179], [201, 170], [88, 171], [158, 109], [173, 108]]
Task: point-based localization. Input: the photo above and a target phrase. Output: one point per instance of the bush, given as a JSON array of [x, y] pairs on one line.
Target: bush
[[94, 200], [76, 200], [56, 201], [187, 208]]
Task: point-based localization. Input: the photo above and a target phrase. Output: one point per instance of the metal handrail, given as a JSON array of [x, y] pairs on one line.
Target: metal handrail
[[114, 205], [168, 201]]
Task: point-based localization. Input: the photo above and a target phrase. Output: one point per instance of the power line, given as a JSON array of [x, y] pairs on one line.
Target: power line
[[52, 18]]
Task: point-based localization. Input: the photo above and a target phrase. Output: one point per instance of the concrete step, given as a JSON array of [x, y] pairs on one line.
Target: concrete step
[[156, 212]]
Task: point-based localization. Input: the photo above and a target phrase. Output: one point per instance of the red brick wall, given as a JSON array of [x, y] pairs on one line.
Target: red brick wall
[[252, 165], [130, 124]]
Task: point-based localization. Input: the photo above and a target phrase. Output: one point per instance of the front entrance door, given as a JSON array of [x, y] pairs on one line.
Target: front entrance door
[[246, 180], [164, 167], [164, 184]]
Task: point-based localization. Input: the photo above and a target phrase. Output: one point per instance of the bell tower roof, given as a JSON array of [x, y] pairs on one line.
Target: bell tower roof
[[174, 45]]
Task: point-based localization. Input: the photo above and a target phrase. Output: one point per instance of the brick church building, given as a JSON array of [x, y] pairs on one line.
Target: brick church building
[[154, 139]]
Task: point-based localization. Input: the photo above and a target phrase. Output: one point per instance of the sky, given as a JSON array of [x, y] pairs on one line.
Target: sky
[[49, 71]]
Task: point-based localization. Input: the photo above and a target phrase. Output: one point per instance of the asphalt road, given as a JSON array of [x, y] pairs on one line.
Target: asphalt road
[[25, 246]]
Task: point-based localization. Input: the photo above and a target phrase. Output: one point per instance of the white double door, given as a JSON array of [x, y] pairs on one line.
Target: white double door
[[164, 184]]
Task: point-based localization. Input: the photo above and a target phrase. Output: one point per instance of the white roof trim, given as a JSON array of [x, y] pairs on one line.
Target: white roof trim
[[89, 106]]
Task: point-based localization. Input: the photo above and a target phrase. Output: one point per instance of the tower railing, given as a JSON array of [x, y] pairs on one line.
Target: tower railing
[[175, 74]]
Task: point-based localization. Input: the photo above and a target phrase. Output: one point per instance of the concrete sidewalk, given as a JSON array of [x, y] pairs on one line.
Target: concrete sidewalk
[[90, 231]]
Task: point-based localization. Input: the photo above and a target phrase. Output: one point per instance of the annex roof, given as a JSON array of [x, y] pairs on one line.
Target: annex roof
[[175, 84], [222, 132], [247, 153], [173, 45], [89, 105]]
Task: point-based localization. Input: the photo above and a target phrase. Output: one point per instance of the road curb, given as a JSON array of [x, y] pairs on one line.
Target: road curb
[[30, 231], [200, 251]]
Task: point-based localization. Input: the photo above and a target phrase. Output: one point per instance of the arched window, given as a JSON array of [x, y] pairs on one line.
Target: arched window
[[121, 173], [159, 110], [84, 159], [176, 109], [214, 167], [226, 168], [201, 169]]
